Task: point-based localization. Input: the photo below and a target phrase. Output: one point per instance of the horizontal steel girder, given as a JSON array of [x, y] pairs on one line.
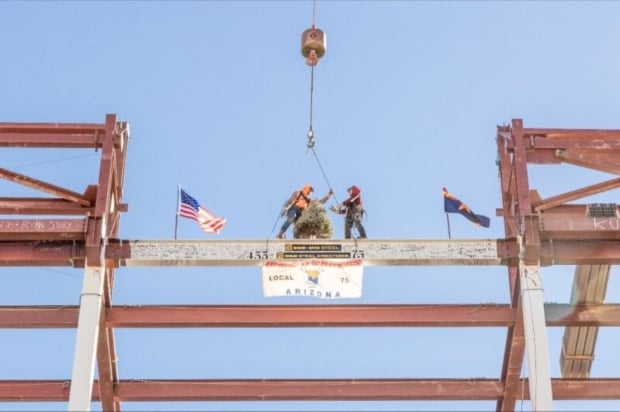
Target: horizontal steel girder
[[198, 316], [255, 252], [308, 389], [52, 135]]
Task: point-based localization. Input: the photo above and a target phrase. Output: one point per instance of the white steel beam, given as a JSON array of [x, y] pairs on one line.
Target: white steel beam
[[255, 252], [535, 331], [86, 341]]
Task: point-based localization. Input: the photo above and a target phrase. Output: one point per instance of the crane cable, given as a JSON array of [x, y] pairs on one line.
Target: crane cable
[[310, 134], [311, 141], [310, 131], [290, 189]]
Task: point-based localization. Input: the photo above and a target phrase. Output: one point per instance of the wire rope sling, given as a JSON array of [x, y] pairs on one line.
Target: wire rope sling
[[307, 214]]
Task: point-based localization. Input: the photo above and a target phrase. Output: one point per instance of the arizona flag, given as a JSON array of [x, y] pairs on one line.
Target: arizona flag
[[191, 209], [318, 278], [453, 205]]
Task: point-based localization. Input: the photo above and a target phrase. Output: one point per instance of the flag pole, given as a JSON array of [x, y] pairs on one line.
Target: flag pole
[[444, 190], [176, 217]]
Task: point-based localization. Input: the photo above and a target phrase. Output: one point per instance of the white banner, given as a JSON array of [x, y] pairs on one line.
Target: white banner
[[319, 278]]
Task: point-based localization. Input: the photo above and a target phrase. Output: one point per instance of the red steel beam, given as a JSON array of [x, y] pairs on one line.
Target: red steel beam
[[45, 187], [606, 161], [50, 140], [198, 316], [577, 194], [578, 139], [106, 352], [47, 135], [35, 390], [514, 350], [561, 226], [582, 135], [39, 253], [41, 206], [26, 317], [580, 252], [309, 389], [37, 230], [569, 141], [54, 128], [312, 315]]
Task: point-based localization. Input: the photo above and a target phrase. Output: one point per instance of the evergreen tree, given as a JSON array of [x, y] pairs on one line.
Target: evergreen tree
[[314, 223]]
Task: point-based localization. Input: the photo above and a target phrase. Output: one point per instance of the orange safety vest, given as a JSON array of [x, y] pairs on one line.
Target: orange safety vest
[[302, 200]]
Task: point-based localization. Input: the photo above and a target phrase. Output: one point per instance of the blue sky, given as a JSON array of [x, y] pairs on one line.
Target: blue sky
[[406, 99]]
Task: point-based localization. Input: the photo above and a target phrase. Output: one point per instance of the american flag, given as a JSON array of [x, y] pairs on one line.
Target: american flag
[[191, 209]]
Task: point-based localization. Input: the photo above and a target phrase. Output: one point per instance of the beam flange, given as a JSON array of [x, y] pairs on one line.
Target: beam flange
[[154, 390], [239, 316]]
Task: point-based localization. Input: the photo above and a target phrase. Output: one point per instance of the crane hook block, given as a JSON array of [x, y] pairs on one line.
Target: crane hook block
[[313, 45]]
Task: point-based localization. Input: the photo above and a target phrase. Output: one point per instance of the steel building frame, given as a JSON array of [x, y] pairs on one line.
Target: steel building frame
[[538, 232]]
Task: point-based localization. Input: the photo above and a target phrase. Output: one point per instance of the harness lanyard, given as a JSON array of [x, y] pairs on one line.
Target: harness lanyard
[[299, 196]]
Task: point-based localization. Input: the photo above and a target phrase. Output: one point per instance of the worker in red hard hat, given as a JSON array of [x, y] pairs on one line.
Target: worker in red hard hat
[[295, 206], [353, 210]]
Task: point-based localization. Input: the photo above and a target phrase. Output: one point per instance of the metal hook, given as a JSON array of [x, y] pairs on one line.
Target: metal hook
[[310, 138]]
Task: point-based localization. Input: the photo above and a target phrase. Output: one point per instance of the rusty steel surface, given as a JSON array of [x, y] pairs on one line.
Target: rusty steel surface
[[309, 389], [41, 206], [106, 352], [514, 349], [553, 232], [52, 135], [40, 230], [538, 220], [238, 316], [83, 238]]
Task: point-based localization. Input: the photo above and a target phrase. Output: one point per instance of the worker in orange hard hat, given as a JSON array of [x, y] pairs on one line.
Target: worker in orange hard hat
[[353, 210], [295, 206]]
